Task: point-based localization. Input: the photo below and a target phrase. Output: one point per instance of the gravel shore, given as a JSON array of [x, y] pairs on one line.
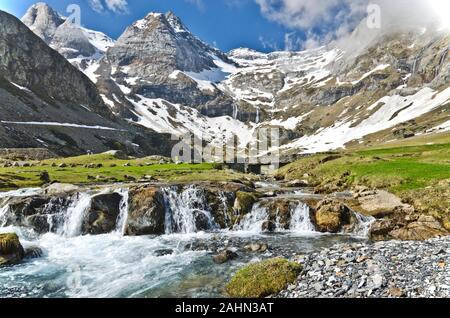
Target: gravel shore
[[384, 269]]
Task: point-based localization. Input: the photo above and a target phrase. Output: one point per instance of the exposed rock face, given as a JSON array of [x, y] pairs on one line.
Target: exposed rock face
[[426, 227], [41, 91], [157, 57], [103, 214], [43, 21], [279, 213], [67, 37], [146, 214], [161, 76], [33, 211], [331, 216], [70, 40], [40, 69], [11, 251]]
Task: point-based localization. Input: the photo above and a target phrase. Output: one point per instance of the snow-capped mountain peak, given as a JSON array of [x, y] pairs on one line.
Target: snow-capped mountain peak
[[76, 43]]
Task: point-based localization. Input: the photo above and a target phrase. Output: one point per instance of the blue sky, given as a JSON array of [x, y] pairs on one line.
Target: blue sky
[[226, 24]]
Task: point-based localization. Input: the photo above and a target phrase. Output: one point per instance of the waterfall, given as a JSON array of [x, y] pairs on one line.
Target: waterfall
[[187, 211], [300, 219], [73, 218], [224, 201], [363, 225], [255, 219], [20, 193], [257, 115], [3, 211], [235, 111], [123, 215]]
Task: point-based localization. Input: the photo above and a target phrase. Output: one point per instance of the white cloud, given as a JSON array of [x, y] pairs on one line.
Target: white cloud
[[96, 5], [327, 20], [268, 44], [116, 6]]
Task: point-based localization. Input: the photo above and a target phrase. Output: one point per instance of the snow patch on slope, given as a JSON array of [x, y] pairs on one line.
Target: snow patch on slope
[[395, 110], [165, 117]]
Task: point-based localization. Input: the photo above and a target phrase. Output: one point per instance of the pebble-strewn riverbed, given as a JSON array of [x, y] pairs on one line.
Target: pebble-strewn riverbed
[[384, 269]]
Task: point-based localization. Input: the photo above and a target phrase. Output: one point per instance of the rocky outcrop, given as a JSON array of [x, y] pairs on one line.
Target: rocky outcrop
[[146, 215], [407, 227], [160, 54], [380, 203], [70, 40], [38, 85], [331, 216], [426, 227], [34, 212], [11, 251], [101, 217]]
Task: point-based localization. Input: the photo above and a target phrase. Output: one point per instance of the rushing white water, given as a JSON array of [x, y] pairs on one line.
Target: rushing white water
[[187, 211], [224, 202], [301, 220], [112, 265], [3, 211], [73, 218], [254, 221], [363, 225], [123, 215], [20, 193]]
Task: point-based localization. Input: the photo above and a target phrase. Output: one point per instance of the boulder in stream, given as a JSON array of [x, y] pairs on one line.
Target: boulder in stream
[[146, 214], [331, 216], [11, 251], [225, 256], [101, 217]]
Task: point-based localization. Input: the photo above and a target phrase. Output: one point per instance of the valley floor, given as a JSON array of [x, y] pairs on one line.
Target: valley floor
[[402, 188]]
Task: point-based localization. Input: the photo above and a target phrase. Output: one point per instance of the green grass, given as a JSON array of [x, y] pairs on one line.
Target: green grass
[[263, 278], [112, 168], [396, 169], [419, 174]]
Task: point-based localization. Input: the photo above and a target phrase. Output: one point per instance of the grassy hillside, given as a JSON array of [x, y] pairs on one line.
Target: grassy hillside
[[106, 168], [419, 174]]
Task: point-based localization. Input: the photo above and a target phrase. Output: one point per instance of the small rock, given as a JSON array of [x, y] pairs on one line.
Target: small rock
[[396, 292], [163, 252], [224, 256]]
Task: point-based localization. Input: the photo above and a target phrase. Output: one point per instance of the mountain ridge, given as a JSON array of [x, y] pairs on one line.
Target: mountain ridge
[[159, 75]]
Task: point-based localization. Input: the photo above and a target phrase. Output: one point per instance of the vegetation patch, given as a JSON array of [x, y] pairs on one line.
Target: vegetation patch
[[263, 279], [102, 168]]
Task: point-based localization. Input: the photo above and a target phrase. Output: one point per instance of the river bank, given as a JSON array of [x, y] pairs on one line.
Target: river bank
[[384, 269], [168, 240]]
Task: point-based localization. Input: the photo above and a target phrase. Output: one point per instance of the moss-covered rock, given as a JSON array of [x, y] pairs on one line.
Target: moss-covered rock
[[245, 201], [263, 279], [11, 251]]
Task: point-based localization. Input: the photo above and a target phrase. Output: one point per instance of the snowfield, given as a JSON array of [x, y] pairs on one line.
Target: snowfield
[[396, 109]]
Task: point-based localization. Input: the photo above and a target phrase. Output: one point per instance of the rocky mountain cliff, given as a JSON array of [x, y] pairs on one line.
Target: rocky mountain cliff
[[160, 76], [80, 45], [322, 99], [47, 102]]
